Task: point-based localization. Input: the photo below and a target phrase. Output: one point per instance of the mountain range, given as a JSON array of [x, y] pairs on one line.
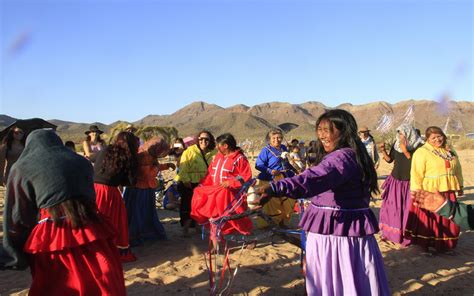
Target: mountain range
[[297, 120]]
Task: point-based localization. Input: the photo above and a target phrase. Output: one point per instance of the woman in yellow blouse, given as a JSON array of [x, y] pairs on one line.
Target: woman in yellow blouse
[[192, 168], [435, 167]]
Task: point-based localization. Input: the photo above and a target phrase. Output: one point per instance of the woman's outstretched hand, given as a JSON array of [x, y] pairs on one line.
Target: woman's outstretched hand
[[262, 189], [265, 191], [430, 201]]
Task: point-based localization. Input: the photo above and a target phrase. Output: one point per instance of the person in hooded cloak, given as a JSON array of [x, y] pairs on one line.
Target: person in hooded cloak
[[52, 225]]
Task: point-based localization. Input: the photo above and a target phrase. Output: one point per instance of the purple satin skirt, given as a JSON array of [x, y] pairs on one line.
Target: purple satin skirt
[[394, 211], [342, 265]]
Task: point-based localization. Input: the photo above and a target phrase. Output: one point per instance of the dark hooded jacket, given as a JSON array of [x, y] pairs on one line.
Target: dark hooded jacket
[[46, 174]]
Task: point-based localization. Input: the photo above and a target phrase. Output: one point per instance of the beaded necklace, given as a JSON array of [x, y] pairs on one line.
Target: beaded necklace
[[447, 158]]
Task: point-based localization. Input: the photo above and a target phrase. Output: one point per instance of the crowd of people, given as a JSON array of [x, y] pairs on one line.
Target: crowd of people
[[84, 213]]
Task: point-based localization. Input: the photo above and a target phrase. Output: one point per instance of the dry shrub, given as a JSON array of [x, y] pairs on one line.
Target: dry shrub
[[464, 144]]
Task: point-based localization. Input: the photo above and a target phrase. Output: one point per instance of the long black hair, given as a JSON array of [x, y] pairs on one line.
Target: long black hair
[[79, 212], [8, 140], [228, 139], [346, 124]]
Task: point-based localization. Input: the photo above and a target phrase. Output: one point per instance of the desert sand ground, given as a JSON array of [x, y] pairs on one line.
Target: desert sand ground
[[176, 266]]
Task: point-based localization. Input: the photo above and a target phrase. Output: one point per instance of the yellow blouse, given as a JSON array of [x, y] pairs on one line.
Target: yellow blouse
[[429, 172], [192, 167]]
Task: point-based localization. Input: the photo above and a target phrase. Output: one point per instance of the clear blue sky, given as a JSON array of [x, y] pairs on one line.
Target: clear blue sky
[[98, 60]]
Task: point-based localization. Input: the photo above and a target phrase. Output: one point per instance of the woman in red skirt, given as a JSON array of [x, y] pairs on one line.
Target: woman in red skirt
[[52, 224], [226, 174], [435, 167], [116, 166]]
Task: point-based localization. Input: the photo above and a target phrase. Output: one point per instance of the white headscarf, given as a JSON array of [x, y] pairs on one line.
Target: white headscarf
[[412, 138]]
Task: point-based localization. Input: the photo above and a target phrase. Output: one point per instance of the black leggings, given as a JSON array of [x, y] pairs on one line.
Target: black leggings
[[186, 194]]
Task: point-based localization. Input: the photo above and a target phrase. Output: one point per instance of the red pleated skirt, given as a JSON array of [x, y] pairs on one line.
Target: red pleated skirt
[[428, 229], [111, 205], [212, 202], [74, 261]]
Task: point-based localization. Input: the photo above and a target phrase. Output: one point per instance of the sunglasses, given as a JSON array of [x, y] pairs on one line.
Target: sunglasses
[[204, 139], [18, 132]]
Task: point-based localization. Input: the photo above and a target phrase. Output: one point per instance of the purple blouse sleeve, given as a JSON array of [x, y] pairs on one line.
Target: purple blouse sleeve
[[335, 169]]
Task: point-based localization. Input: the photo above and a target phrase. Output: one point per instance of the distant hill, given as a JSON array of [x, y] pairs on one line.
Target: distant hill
[[296, 119]]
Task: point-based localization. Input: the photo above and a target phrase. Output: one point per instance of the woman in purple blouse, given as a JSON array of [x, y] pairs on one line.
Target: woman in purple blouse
[[342, 254]]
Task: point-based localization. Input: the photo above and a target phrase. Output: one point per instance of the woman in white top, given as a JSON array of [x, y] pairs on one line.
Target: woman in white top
[[10, 150], [93, 143]]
